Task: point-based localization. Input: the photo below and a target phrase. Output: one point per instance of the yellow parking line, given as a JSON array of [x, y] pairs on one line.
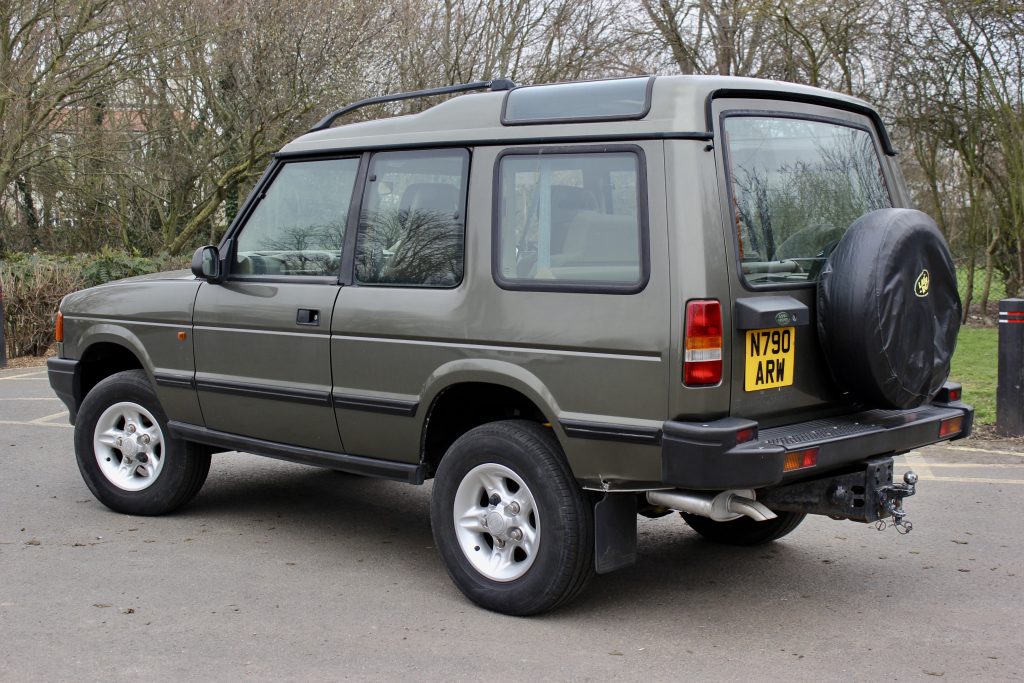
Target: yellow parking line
[[915, 462], [35, 424], [45, 419], [33, 398], [24, 375], [968, 465], [993, 451], [974, 480]]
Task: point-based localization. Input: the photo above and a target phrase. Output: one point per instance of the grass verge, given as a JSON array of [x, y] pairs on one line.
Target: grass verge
[[975, 366]]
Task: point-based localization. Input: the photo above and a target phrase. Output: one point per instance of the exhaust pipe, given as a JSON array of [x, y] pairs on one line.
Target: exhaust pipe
[[721, 507]]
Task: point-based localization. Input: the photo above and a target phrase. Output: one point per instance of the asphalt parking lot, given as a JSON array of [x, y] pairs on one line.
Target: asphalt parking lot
[[283, 572]]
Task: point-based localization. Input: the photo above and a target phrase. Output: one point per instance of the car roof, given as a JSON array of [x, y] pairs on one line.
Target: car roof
[[678, 107]]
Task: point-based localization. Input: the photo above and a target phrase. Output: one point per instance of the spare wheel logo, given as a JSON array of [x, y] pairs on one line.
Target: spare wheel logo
[[923, 283]]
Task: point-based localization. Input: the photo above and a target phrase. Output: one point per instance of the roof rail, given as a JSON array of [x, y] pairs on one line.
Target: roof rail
[[496, 84]]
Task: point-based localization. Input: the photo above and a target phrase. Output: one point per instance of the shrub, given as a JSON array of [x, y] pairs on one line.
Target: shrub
[[34, 284], [32, 288]]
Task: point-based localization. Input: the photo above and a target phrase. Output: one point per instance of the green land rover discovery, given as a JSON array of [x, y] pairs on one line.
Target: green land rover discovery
[[567, 304]]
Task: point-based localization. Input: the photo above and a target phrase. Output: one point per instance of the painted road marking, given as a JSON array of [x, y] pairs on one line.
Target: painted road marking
[[36, 424], [993, 451], [973, 480], [26, 375], [40, 398], [46, 419], [915, 462], [994, 465]]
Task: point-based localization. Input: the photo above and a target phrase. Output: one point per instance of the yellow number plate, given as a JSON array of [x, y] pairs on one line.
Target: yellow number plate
[[770, 358]]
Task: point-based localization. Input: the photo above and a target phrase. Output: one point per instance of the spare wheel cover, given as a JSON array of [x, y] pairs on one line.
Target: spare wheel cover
[[889, 310]]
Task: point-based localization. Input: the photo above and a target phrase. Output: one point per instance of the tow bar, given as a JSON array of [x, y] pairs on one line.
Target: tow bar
[[892, 496], [863, 493]]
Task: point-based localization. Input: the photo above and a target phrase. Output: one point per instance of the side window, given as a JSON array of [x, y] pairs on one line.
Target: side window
[[412, 221], [298, 227], [570, 221]]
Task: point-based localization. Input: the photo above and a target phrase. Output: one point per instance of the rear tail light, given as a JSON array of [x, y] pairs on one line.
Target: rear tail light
[[798, 460], [702, 360], [745, 435], [58, 332], [951, 426]]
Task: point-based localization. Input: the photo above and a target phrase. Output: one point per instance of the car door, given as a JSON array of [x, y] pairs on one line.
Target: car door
[[262, 335]]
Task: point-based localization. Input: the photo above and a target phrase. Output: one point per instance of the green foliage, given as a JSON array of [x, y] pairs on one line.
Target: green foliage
[[975, 366], [997, 291], [111, 265], [34, 284]]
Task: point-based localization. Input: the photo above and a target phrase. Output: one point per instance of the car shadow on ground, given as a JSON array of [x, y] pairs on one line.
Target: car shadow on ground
[[676, 570]]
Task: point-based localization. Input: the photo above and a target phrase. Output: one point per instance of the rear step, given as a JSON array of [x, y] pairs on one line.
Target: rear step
[[815, 432]]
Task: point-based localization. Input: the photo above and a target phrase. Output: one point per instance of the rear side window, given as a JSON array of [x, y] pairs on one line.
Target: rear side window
[[412, 220], [796, 185], [570, 221]]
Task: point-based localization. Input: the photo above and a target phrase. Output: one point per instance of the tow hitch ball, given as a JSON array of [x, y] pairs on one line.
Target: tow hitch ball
[[891, 498]]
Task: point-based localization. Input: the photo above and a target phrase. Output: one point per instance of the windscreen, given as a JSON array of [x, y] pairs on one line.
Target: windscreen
[[797, 184]]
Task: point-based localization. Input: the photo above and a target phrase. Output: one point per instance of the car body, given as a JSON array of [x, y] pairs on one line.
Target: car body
[[620, 280]]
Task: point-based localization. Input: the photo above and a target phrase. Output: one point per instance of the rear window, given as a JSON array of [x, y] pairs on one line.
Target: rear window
[[797, 185]]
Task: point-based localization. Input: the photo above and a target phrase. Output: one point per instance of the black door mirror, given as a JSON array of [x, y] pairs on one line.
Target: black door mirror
[[206, 264]]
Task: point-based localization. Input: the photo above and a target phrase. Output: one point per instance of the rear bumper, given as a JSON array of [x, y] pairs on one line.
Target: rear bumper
[[705, 455], [66, 381]]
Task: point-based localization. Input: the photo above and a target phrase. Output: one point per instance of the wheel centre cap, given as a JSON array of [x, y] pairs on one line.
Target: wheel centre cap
[[129, 448], [496, 523]]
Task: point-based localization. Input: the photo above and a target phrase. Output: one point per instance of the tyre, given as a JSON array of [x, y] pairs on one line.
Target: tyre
[[744, 531], [889, 310], [125, 453], [513, 528]]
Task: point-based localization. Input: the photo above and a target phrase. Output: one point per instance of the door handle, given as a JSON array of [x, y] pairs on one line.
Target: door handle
[[307, 316]]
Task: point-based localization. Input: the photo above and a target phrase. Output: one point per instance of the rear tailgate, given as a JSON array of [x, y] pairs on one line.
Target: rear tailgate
[[793, 178]]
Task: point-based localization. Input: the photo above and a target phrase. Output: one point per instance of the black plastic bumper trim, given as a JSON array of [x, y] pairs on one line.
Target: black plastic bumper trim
[[705, 455], [65, 377], [603, 431], [412, 473], [372, 404]]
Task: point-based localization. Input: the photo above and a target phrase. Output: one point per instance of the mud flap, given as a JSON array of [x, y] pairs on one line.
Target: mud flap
[[614, 532]]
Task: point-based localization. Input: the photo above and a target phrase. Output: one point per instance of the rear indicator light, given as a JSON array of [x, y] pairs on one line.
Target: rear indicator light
[[702, 358], [951, 426], [58, 332], [798, 460]]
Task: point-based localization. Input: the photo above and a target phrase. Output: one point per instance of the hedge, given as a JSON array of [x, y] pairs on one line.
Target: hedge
[[32, 286]]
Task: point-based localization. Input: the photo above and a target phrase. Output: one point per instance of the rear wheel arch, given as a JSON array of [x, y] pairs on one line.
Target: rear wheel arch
[[462, 406]]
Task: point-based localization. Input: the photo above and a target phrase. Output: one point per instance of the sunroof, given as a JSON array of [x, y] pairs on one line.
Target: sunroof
[[612, 100]]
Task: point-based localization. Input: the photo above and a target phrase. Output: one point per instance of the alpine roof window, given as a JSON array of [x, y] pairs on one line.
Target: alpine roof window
[[611, 100]]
